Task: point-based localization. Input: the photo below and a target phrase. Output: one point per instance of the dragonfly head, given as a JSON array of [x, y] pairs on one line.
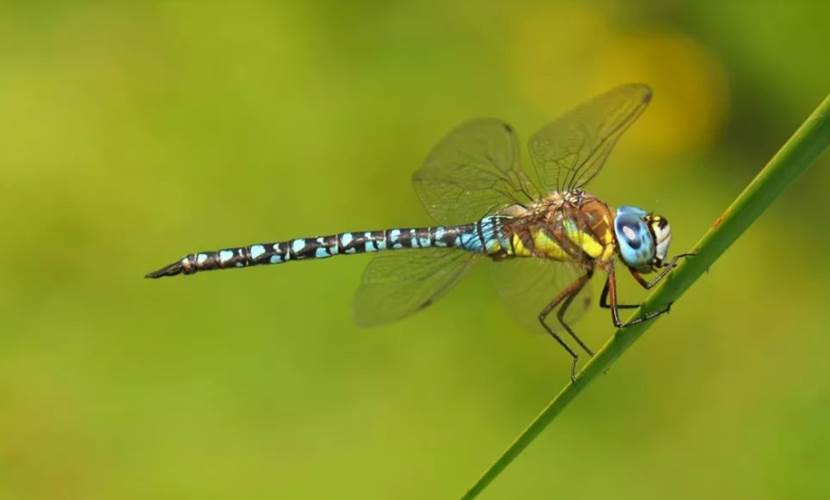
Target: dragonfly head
[[642, 239]]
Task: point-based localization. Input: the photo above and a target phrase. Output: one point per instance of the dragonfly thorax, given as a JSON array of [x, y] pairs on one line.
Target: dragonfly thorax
[[642, 239], [569, 226]]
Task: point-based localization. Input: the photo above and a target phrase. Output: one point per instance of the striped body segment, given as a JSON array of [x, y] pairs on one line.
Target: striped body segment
[[484, 236]]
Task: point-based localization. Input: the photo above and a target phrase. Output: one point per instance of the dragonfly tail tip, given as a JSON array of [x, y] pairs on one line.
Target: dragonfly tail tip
[[169, 270]]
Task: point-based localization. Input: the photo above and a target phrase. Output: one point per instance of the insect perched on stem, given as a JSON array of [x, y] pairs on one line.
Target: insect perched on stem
[[546, 235]]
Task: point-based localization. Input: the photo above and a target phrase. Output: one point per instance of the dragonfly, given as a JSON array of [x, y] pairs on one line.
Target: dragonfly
[[546, 235]]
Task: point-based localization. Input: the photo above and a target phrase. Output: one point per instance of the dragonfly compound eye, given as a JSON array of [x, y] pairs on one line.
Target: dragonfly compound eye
[[634, 239]]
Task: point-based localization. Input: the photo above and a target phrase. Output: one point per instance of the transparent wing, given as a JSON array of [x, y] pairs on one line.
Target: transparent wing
[[571, 151], [527, 285], [399, 283], [473, 171]]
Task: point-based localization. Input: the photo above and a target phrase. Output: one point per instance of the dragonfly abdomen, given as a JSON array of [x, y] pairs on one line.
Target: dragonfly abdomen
[[479, 237]]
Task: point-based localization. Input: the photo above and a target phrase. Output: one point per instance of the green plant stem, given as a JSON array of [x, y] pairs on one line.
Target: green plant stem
[[797, 154]]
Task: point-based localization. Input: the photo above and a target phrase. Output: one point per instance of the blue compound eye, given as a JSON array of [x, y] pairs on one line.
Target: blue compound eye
[[636, 245], [632, 233]]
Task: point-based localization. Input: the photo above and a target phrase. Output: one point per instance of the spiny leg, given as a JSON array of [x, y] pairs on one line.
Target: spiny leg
[[568, 292], [667, 268], [611, 285], [560, 314], [603, 299]]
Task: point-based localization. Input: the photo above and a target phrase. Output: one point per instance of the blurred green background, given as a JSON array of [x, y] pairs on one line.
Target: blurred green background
[[131, 134]]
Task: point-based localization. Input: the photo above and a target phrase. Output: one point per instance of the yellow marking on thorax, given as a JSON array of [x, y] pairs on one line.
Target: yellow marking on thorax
[[519, 248], [547, 246], [607, 239], [608, 253], [584, 240]]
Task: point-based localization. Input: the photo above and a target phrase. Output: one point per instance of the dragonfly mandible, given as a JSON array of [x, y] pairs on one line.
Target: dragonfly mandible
[[544, 232]]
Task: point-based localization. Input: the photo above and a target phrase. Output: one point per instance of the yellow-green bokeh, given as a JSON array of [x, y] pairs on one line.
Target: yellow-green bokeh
[[133, 133]]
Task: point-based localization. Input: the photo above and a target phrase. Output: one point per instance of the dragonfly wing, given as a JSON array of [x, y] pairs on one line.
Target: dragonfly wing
[[399, 283], [473, 171], [527, 285], [571, 151]]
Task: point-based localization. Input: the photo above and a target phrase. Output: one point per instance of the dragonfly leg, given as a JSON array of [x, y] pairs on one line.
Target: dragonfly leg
[[611, 290], [667, 268], [565, 295], [560, 315], [647, 284], [603, 300]]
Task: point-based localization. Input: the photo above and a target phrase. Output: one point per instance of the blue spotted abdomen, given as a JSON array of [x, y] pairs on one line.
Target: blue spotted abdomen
[[483, 236]]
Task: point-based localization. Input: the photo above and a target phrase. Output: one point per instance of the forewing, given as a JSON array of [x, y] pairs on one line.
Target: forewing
[[571, 151], [473, 171], [402, 282]]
